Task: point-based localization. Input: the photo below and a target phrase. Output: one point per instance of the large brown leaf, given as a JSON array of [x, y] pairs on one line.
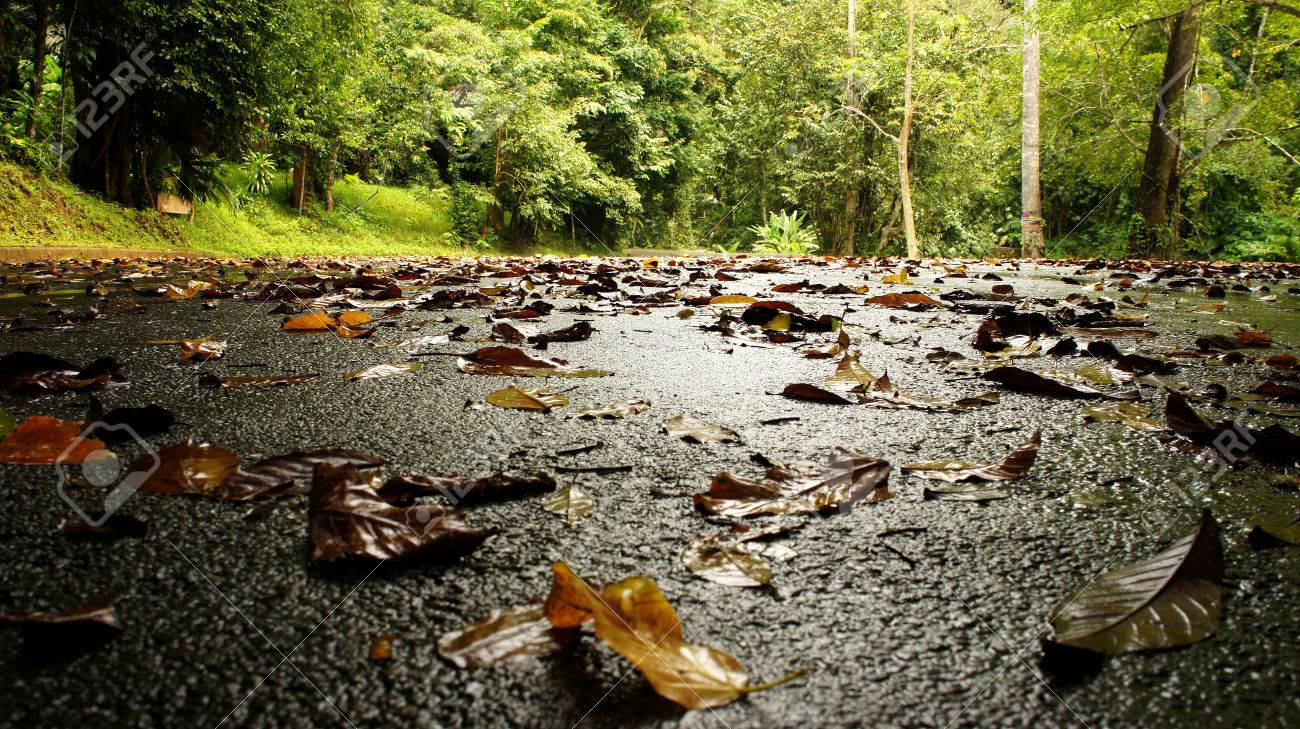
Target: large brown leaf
[[289, 474], [511, 362], [185, 468], [1023, 380], [31, 373], [694, 430], [347, 518], [1015, 465], [457, 489], [1170, 600], [848, 478]]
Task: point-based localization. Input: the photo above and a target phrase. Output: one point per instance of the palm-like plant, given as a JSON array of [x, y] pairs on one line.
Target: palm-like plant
[[261, 172], [784, 232]]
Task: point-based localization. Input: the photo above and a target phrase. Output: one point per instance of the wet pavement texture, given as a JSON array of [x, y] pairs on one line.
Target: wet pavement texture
[[227, 623]]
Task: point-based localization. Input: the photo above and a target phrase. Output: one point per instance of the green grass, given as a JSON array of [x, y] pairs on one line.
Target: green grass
[[368, 220]]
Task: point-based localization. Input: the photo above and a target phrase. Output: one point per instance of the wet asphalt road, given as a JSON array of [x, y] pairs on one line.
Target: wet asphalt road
[[227, 624]]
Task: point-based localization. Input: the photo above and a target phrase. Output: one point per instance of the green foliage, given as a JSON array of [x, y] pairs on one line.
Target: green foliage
[[260, 168], [784, 232]]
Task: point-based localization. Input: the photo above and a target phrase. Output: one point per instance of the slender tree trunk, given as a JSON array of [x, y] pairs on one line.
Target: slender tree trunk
[[904, 133], [890, 228], [298, 193], [329, 179], [496, 217], [1159, 166], [40, 31], [1031, 201]]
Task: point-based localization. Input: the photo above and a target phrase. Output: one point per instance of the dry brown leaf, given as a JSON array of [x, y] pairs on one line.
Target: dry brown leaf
[[537, 400]]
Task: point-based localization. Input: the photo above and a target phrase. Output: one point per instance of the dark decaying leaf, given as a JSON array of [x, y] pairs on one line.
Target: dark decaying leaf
[[1270, 533], [50, 636], [185, 468], [814, 393], [1023, 380], [31, 373], [503, 636], [42, 441], [289, 474], [694, 430], [262, 381], [348, 519], [114, 526], [1015, 465], [122, 425], [1135, 416], [848, 478], [511, 362], [381, 648], [976, 492], [457, 489], [1170, 600], [1274, 444]]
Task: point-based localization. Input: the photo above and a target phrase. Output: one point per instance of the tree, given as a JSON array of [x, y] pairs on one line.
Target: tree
[[1031, 203], [1158, 185]]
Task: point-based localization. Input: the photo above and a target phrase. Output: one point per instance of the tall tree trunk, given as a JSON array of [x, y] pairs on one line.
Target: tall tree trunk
[[298, 194], [329, 179], [904, 134], [890, 228], [1160, 165], [1031, 200], [496, 216], [849, 230], [40, 32]]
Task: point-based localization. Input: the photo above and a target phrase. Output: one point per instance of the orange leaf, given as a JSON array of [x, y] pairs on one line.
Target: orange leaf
[[41, 441], [317, 321]]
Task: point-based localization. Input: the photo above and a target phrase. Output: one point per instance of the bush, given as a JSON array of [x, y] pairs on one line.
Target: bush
[[785, 233]]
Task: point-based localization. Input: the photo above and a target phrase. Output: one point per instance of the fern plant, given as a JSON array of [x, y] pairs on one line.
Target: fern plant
[[785, 232]]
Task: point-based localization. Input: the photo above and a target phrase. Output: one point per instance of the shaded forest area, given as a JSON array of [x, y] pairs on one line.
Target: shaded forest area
[[1165, 129]]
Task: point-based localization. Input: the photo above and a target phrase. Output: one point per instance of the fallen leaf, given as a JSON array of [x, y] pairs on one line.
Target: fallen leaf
[[43, 441], [185, 468], [30, 373], [571, 503], [732, 300], [614, 410], [1026, 381], [848, 478], [123, 425], [379, 371], [1170, 600], [1274, 533], [504, 636], [538, 400], [693, 430], [511, 362], [850, 374], [316, 321], [201, 350], [348, 519], [260, 381], [7, 423], [909, 300], [634, 618], [381, 649], [51, 636], [814, 393], [289, 474], [1135, 416], [733, 559], [110, 527], [457, 489], [1015, 465]]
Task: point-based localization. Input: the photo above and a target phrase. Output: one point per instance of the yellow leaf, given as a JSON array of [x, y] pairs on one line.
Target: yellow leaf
[[732, 300], [897, 278], [314, 322], [539, 400], [354, 318]]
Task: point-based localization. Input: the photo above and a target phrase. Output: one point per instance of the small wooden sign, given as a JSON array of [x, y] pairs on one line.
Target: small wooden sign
[[175, 205]]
